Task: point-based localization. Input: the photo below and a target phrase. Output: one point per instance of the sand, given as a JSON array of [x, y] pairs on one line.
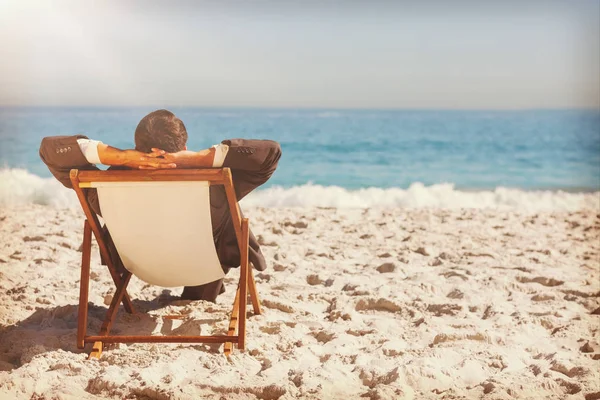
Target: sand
[[376, 304]]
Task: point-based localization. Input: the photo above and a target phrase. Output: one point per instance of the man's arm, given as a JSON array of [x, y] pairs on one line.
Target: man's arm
[[112, 156], [190, 159], [63, 153], [252, 162]]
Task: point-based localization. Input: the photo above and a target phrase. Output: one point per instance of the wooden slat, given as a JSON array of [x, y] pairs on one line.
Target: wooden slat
[[233, 323], [236, 215], [160, 339], [96, 350], [253, 293], [243, 285], [84, 284], [213, 175]]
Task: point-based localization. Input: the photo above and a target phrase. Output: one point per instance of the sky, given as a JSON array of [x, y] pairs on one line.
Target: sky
[[454, 55]]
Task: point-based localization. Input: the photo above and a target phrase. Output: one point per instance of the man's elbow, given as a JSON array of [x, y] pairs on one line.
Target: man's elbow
[[269, 163], [43, 150], [274, 154]]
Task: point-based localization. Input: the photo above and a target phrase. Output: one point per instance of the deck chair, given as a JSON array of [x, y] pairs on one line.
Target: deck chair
[[180, 252]]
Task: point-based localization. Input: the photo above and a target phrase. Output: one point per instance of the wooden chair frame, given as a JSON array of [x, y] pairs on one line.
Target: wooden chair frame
[[81, 181]]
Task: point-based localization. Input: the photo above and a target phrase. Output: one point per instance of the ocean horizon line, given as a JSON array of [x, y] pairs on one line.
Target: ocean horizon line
[[303, 108]]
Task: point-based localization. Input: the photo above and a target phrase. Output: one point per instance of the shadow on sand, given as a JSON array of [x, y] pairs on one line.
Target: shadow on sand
[[55, 328]]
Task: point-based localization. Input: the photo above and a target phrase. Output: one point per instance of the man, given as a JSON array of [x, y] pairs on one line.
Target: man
[[160, 142]]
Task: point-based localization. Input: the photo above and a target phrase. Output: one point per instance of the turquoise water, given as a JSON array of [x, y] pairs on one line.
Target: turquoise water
[[353, 149]]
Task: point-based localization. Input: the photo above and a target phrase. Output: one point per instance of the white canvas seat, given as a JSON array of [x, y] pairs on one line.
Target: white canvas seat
[[160, 224], [162, 230]]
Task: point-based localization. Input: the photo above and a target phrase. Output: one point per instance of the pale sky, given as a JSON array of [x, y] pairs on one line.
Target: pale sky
[[512, 54]]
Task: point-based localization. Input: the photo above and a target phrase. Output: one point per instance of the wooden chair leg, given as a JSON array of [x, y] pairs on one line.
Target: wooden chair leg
[[84, 284], [253, 293], [243, 285], [111, 314], [96, 351], [233, 323]]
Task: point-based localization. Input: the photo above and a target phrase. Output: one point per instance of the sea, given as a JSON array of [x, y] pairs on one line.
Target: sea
[[523, 160]]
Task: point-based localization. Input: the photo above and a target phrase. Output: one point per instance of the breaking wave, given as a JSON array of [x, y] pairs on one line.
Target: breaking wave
[[19, 186]]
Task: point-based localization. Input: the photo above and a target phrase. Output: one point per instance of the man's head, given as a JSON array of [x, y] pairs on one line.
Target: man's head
[[160, 129]]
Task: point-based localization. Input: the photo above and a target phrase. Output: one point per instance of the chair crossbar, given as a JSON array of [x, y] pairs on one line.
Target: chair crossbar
[[161, 339]]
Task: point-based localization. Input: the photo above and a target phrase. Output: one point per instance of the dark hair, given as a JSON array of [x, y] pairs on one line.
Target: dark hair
[[160, 129]]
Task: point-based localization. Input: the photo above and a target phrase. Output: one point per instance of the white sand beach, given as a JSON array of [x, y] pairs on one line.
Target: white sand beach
[[378, 304]]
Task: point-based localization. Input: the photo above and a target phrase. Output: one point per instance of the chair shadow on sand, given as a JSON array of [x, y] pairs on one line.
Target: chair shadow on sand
[[55, 328]]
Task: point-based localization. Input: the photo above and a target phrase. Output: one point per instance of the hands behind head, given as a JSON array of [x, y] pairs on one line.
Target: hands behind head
[[160, 159], [153, 160], [187, 158]]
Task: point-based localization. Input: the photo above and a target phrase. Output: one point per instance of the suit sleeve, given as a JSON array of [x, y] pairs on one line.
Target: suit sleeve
[[252, 163], [61, 154]]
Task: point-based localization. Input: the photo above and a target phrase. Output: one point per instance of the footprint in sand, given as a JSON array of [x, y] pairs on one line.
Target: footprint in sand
[[349, 287], [279, 267], [335, 311], [278, 306], [455, 294], [386, 268], [444, 309], [569, 372], [271, 329], [313, 280], [542, 297], [360, 332], [551, 282], [371, 378], [296, 377], [377, 305], [451, 274], [570, 387], [323, 336], [443, 338], [34, 239]]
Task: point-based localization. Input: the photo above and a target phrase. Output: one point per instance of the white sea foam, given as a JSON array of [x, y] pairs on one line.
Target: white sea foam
[[421, 196], [18, 186]]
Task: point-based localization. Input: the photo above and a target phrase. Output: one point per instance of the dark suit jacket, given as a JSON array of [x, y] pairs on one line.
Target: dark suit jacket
[[252, 162]]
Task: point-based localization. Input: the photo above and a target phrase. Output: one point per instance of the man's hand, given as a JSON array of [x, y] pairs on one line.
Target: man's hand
[[133, 158], [188, 159], [136, 159]]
